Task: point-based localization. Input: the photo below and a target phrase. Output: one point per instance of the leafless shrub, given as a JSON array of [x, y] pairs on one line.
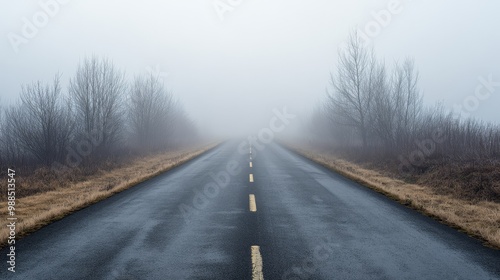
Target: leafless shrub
[[384, 114], [40, 125], [350, 101], [151, 113], [46, 130], [97, 92]]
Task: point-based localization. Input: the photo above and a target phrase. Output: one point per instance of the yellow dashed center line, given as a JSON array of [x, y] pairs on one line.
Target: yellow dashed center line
[[250, 164], [252, 204], [250, 177], [256, 264]]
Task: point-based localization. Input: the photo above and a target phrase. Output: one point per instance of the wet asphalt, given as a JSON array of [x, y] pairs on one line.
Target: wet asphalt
[[194, 222]]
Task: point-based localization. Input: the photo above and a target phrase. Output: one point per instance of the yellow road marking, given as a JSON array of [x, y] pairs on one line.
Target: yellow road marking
[[256, 264], [252, 204], [250, 178], [250, 164]]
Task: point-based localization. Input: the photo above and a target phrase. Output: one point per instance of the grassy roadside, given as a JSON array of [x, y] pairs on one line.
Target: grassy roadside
[[36, 211], [478, 219]]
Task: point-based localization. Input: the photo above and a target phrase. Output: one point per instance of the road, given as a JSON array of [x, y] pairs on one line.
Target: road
[[226, 216]]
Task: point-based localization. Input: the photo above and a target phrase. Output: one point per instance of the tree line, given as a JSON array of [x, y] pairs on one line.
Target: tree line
[[373, 109], [100, 115]]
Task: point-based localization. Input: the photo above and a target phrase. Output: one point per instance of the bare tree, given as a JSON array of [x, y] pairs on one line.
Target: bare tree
[[96, 91], [350, 102], [182, 132], [383, 112], [41, 124], [150, 112], [407, 101], [397, 107]]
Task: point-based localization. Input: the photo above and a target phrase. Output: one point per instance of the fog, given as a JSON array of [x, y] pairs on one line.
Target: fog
[[232, 62]]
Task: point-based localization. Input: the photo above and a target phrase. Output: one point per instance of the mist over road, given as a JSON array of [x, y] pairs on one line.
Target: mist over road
[[241, 213]]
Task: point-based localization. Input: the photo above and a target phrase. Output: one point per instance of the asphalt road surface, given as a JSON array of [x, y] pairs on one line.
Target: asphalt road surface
[[242, 213]]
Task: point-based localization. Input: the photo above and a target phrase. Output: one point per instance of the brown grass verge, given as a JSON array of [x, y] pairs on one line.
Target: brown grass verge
[[35, 211], [480, 219]]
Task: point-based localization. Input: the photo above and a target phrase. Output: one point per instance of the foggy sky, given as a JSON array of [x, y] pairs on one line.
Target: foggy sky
[[231, 73]]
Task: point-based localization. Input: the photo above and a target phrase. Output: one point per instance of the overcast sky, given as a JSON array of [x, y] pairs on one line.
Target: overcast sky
[[231, 65]]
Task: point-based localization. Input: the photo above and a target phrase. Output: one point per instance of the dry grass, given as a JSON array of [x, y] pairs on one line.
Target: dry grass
[[480, 219], [38, 210]]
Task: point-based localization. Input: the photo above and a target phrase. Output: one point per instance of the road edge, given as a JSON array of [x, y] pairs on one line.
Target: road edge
[[43, 221], [393, 196]]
